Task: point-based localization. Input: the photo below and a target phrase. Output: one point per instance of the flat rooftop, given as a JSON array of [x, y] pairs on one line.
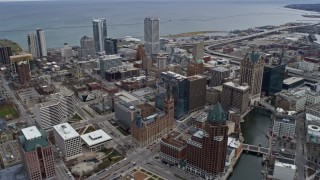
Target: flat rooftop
[[285, 119], [232, 84], [285, 163], [65, 131], [174, 139], [31, 133], [95, 137], [292, 80], [125, 96]]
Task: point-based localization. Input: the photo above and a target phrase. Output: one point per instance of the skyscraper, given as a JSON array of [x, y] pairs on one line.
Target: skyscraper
[[235, 96], [24, 74], [218, 74], [87, 47], [151, 35], [251, 72], [273, 77], [33, 45], [198, 51], [5, 53], [196, 92], [207, 148], [36, 153], [42, 43], [99, 33], [110, 46]]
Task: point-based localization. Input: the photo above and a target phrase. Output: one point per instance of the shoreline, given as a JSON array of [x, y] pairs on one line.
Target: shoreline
[[305, 7]]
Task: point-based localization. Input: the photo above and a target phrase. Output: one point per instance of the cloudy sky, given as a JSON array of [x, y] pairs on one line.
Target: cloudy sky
[[287, 1]]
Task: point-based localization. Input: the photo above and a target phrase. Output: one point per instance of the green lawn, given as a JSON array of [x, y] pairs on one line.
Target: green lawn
[[110, 159], [15, 47], [8, 110]]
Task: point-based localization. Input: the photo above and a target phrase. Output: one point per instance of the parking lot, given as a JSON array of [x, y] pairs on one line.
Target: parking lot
[[29, 96]]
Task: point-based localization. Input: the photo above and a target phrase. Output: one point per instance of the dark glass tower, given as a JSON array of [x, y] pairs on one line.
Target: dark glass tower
[[273, 77]]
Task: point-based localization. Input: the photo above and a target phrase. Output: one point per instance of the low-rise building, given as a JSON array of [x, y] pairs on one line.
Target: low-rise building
[[173, 148], [289, 101], [284, 126], [292, 82], [68, 141], [284, 169], [96, 140]]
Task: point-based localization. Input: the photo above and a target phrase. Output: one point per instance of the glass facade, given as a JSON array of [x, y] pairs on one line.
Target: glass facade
[[273, 77]]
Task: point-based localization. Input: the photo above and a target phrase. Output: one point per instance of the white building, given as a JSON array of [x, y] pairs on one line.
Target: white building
[[151, 35], [67, 99], [313, 134], [284, 126], [42, 43], [68, 141], [284, 169], [96, 140], [66, 51], [33, 46], [49, 114], [99, 33]]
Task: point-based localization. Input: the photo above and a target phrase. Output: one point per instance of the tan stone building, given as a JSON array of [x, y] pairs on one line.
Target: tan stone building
[[251, 72], [235, 96]]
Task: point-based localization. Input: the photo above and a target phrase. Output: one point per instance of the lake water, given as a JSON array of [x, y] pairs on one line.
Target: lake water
[[68, 21]]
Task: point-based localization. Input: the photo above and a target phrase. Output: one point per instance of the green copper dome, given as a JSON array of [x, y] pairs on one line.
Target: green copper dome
[[217, 114]]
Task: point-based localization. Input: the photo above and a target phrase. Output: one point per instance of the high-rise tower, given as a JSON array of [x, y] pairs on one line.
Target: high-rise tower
[[207, 148], [33, 45], [251, 72], [36, 153], [42, 43], [151, 35], [99, 33]]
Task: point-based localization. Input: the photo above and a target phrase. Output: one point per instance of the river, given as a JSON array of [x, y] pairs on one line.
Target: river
[[253, 130]]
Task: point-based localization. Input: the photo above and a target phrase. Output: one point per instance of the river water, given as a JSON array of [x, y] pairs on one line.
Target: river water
[[253, 130]]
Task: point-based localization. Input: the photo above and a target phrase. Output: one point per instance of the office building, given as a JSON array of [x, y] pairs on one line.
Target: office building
[[66, 51], [99, 33], [5, 53], [124, 114], [151, 35], [207, 148], [42, 43], [235, 96], [198, 51], [284, 169], [218, 74], [162, 59], [96, 140], [213, 94], [290, 101], [24, 74], [273, 77], [179, 85], [49, 114], [33, 45], [68, 141], [292, 82], [67, 99], [111, 46], [284, 126], [251, 72], [107, 62], [146, 64], [195, 68], [196, 92], [36, 153], [150, 125], [173, 149], [87, 47], [16, 59]]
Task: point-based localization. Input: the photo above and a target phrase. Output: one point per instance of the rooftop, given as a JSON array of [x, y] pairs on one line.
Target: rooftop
[[285, 119], [125, 96], [232, 84], [285, 163], [173, 138], [217, 114], [292, 80], [65, 131], [220, 69], [95, 137], [31, 133]]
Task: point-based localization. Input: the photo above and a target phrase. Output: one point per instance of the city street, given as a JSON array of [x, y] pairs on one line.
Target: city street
[[299, 156]]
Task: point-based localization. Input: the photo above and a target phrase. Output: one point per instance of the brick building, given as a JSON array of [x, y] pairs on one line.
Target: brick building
[[36, 154], [150, 124], [207, 148]]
